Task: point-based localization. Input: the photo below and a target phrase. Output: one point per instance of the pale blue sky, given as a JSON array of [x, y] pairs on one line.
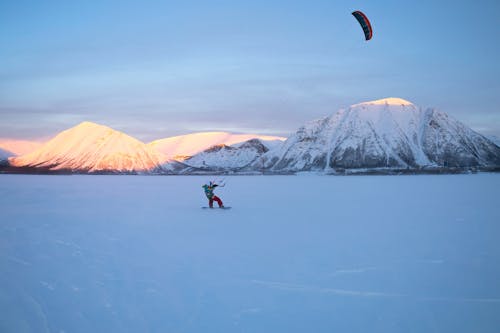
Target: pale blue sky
[[159, 68]]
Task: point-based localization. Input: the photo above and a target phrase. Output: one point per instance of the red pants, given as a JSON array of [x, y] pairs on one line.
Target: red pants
[[215, 198]]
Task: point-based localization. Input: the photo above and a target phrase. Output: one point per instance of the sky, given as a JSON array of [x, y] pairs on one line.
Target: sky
[[155, 69]]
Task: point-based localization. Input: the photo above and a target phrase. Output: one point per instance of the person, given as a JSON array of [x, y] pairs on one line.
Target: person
[[209, 192]]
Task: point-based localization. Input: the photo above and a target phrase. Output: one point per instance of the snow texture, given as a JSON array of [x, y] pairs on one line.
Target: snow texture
[[232, 158], [294, 254]]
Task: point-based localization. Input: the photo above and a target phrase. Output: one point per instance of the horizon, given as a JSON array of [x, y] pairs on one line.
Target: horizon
[[50, 137], [160, 69], [388, 100]]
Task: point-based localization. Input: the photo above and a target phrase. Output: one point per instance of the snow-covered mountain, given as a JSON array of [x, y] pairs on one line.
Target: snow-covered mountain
[[4, 156], [184, 146], [19, 147], [89, 147], [237, 157], [387, 133]]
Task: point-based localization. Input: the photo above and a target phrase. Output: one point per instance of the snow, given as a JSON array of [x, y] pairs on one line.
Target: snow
[[92, 147], [390, 133], [232, 158], [495, 139], [191, 144], [19, 147], [224, 157], [388, 101], [301, 253], [5, 154]]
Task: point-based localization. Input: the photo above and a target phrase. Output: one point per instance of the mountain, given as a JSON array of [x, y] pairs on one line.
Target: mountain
[[183, 146], [4, 156], [234, 158], [495, 139], [90, 147], [19, 147], [390, 133], [385, 135]]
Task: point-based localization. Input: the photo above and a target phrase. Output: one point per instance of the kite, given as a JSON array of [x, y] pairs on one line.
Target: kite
[[365, 24]]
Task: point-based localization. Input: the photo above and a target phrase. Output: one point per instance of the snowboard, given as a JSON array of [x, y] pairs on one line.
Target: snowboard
[[225, 207]]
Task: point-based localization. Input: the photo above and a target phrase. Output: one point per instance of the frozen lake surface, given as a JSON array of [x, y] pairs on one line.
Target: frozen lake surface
[[294, 254]]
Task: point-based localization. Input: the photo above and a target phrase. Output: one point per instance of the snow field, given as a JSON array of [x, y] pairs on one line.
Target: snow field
[[295, 254]]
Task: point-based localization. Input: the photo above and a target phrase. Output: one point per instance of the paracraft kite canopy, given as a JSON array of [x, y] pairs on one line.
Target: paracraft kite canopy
[[365, 24]]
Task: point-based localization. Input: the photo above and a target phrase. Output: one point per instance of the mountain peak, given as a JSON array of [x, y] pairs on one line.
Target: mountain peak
[[389, 133], [90, 125], [87, 123], [388, 101], [91, 147]]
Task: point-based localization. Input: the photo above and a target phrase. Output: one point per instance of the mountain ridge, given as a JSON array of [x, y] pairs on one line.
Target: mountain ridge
[[184, 146], [386, 135]]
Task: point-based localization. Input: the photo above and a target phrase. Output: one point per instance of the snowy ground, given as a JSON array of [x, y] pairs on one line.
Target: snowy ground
[[294, 254]]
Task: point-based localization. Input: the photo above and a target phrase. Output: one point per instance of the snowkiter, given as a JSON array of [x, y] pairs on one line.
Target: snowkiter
[[209, 192]]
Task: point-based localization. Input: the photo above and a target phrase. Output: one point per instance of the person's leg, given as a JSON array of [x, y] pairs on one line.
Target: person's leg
[[211, 202], [219, 201]]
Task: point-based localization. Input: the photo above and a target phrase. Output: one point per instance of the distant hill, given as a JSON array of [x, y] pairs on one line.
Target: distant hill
[[221, 158], [19, 147], [180, 147], [4, 156]]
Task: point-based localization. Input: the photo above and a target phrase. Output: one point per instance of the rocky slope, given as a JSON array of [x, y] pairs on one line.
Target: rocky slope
[[390, 133]]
